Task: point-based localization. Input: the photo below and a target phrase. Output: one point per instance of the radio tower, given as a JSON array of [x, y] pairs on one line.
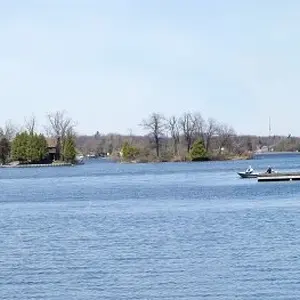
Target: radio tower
[[269, 133]]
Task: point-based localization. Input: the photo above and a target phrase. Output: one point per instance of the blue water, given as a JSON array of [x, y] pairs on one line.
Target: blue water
[[154, 231]]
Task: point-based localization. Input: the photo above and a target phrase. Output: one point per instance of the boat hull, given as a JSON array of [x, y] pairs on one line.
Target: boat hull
[[248, 175]]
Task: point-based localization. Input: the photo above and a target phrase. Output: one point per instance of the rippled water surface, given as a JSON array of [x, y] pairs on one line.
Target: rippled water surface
[[157, 231]]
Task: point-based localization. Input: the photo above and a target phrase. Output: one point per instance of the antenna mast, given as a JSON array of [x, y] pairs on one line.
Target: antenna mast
[[269, 133]]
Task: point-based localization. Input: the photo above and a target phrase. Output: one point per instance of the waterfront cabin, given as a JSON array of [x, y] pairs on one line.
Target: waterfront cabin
[[53, 149]]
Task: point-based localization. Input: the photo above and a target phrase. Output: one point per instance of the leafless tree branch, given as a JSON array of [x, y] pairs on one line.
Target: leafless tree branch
[[225, 136], [173, 126], [187, 125], [10, 130], [31, 124], [156, 126], [60, 125]]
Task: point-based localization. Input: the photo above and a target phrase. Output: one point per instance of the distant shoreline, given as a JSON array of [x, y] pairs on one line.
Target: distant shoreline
[[277, 153], [213, 159]]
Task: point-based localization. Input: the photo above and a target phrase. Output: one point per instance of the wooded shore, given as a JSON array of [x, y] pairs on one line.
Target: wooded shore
[[188, 137]]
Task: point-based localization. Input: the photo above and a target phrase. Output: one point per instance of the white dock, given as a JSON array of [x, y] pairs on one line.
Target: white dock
[[288, 177]]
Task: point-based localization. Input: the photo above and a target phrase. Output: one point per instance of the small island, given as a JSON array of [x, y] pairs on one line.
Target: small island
[[180, 139], [28, 148]]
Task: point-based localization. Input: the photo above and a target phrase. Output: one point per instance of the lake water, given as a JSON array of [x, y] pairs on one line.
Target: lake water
[[155, 231]]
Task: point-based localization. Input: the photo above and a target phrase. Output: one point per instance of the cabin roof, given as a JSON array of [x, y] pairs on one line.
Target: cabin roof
[[52, 142]]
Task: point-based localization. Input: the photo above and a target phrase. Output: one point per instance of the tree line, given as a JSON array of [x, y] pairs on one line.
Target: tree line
[[174, 138], [26, 145], [167, 138], [188, 129], [171, 139]]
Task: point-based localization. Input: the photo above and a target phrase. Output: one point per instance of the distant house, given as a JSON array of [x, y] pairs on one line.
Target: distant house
[[262, 149], [53, 149]]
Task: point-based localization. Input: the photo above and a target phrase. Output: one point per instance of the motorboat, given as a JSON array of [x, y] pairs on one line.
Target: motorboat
[[249, 173], [79, 160]]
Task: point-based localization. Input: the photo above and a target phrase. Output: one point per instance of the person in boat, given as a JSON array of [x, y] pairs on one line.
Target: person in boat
[[249, 170], [269, 170]]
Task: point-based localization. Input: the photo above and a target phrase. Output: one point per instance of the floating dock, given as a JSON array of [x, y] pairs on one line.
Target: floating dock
[[279, 177], [37, 165]]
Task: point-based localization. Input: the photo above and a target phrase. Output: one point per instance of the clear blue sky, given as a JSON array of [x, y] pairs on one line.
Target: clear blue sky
[[111, 63]]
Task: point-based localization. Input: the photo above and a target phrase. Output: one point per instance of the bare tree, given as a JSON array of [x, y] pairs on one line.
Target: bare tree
[[211, 130], [31, 124], [173, 125], [225, 136], [199, 125], [187, 125], [60, 125], [204, 129], [156, 126], [10, 130], [130, 136]]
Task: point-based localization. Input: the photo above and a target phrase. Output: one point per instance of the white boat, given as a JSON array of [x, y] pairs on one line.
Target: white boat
[[252, 174], [249, 175], [79, 160]]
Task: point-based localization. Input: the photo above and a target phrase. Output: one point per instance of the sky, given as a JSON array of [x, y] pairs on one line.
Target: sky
[[110, 64]]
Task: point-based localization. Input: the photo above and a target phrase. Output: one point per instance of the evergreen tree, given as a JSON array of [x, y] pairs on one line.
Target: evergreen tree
[[43, 147], [19, 147], [69, 150], [32, 148], [37, 148], [29, 147], [4, 149], [129, 152], [198, 152]]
